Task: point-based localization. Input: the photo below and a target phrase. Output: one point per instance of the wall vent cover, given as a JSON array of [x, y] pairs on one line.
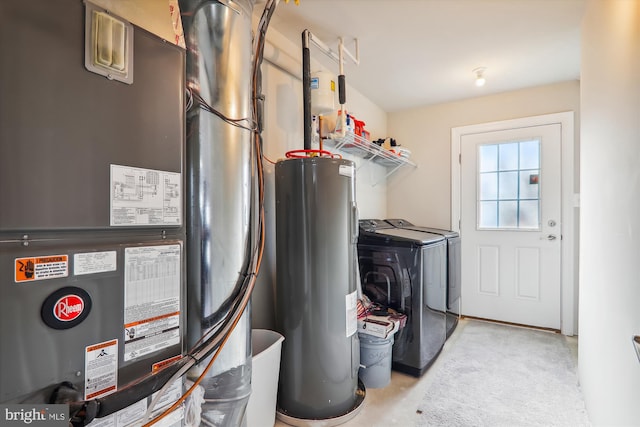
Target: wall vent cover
[[108, 44]]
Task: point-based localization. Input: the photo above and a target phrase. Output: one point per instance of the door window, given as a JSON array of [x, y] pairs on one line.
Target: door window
[[509, 186]]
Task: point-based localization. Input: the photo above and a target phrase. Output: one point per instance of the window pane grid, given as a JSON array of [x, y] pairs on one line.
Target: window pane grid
[[508, 189]]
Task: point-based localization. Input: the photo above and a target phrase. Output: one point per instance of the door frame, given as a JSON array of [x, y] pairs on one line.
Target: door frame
[[569, 264]]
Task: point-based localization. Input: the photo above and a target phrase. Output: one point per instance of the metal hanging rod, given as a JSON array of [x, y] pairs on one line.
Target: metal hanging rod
[[342, 50]]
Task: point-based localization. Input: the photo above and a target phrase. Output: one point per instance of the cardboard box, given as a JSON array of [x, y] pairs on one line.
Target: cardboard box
[[378, 326]]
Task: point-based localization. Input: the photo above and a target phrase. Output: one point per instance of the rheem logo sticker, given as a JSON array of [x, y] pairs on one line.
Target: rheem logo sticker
[[68, 308]]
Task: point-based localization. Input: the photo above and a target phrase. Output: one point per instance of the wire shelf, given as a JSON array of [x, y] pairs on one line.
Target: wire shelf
[[354, 144]]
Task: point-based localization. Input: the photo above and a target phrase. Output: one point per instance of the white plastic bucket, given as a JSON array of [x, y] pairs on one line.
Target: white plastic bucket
[[266, 347], [375, 360]]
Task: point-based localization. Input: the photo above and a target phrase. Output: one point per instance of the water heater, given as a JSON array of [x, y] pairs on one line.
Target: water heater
[[316, 233]]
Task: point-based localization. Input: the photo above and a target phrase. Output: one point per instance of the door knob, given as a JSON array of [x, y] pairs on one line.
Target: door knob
[[549, 237], [636, 345]]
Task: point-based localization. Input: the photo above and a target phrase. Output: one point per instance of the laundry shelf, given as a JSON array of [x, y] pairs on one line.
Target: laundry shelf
[[355, 144]]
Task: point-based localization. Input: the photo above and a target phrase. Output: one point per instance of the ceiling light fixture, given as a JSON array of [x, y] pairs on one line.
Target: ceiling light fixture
[[480, 80]]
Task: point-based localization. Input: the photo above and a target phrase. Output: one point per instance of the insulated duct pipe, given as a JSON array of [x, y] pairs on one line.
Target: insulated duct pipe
[[219, 164]]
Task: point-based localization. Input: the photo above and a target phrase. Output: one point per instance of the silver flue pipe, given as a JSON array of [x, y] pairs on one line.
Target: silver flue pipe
[[219, 167]]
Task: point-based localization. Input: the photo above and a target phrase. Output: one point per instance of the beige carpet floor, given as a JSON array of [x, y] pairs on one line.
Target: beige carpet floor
[[500, 375], [487, 375]]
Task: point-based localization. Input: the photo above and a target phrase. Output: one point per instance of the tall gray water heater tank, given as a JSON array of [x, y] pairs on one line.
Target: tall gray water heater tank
[[316, 234]]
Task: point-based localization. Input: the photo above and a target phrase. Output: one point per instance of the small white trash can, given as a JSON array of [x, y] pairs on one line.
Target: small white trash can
[[266, 346]]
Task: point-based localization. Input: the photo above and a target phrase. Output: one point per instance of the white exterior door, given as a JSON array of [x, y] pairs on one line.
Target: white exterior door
[[510, 223]]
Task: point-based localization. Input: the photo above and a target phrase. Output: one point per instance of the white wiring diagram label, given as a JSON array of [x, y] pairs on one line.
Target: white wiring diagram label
[[145, 197], [151, 299]]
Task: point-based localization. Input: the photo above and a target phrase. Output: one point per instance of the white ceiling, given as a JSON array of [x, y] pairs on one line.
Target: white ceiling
[[420, 52]]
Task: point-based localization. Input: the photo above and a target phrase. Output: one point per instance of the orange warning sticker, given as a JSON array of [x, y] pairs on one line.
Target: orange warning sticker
[[40, 268], [164, 363]]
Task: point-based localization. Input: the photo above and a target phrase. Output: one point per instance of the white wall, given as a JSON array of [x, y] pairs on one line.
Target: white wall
[[283, 128], [610, 205], [283, 131], [152, 15], [423, 195]]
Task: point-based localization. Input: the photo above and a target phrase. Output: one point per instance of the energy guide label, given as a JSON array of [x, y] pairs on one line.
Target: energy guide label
[[152, 299]]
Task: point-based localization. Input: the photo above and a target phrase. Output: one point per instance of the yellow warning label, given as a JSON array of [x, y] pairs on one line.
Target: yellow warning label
[[40, 268]]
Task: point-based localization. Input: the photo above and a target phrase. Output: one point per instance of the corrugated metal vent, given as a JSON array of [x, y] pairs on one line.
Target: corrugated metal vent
[[108, 45]]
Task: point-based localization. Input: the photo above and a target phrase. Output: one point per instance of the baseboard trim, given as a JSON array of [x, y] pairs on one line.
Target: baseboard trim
[[539, 328]]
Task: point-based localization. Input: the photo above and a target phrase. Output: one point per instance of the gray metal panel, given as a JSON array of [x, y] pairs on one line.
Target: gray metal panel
[[434, 276], [454, 276], [61, 126], [316, 229], [403, 223], [34, 357], [374, 224], [418, 237]]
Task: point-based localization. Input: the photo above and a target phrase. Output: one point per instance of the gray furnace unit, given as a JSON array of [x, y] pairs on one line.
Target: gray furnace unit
[[92, 234], [316, 234]]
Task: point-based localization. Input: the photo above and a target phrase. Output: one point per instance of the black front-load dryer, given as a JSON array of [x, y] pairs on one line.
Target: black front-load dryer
[[406, 270], [454, 284]]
